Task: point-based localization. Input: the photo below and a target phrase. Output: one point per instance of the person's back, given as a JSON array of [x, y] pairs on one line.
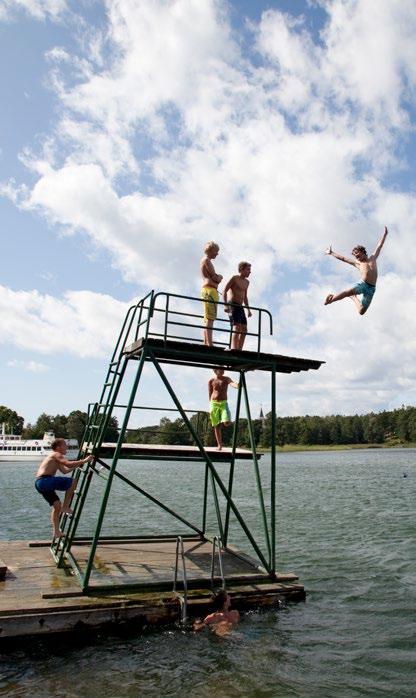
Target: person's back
[[222, 620], [47, 483], [49, 465]]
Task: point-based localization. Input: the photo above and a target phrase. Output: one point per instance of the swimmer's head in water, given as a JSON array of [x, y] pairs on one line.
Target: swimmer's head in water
[[220, 598]]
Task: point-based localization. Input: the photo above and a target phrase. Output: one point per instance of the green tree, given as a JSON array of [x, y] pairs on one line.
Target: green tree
[[112, 431], [36, 431], [76, 424], [13, 421]]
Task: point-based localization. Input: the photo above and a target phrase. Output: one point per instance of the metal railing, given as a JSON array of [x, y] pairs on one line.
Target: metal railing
[[216, 541], [172, 316], [183, 598]]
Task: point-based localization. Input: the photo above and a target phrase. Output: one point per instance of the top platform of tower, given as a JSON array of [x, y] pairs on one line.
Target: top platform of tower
[[169, 327], [187, 353]]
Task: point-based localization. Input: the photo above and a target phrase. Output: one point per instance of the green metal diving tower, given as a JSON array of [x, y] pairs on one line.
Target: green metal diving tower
[[163, 330]]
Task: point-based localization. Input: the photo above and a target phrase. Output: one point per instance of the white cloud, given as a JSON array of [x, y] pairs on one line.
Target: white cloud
[[224, 159], [32, 366], [170, 135], [81, 323], [368, 358], [39, 9]]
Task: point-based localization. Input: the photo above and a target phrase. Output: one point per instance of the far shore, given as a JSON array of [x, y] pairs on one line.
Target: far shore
[[337, 447]]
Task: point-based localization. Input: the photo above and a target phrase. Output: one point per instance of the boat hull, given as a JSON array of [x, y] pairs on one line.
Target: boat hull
[[31, 457]]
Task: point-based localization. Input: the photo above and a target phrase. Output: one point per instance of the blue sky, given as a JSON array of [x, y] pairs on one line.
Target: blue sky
[[132, 133]]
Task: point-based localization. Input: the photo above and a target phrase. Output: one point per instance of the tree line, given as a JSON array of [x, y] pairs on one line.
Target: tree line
[[393, 427], [69, 426]]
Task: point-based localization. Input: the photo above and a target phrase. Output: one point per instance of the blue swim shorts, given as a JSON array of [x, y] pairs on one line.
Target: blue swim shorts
[[47, 484], [367, 292]]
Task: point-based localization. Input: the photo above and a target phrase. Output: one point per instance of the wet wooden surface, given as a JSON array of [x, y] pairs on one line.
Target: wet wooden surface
[[37, 597]]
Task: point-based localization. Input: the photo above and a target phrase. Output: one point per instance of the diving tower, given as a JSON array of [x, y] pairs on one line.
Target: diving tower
[[163, 330]]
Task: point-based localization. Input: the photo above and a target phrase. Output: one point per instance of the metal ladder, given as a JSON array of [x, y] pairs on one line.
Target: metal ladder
[[98, 419], [183, 598], [217, 542]]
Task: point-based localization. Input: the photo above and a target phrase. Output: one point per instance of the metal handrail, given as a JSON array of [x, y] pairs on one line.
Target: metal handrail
[[169, 311], [183, 599], [217, 541]]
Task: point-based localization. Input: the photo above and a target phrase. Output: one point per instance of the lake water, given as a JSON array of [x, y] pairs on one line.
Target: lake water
[[345, 524]]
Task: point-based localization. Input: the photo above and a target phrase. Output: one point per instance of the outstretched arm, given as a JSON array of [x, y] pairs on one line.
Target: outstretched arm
[[330, 251], [381, 243], [66, 466]]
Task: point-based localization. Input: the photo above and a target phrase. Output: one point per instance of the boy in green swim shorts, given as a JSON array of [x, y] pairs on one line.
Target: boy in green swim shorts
[[219, 411]]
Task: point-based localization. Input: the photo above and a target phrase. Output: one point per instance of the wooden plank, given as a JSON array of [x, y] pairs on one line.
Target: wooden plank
[[170, 452]]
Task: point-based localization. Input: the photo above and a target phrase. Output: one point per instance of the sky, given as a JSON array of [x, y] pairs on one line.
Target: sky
[[131, 133]]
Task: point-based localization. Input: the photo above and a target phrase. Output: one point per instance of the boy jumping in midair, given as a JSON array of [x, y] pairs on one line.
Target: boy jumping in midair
[[238, 286], [219, 411], [367, 266]]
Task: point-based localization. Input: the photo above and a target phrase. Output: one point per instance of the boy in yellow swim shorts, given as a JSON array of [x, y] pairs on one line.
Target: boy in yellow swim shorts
[[219, 411], [209, 291]]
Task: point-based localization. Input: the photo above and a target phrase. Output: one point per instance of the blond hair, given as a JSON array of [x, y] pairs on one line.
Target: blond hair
[[211, 245], [243, 265]]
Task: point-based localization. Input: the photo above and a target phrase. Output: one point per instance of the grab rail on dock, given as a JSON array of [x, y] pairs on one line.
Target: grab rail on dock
[[183, 598], [217, 542], [168, 316]]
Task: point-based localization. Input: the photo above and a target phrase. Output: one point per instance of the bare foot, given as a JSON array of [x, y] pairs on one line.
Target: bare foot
[[58, 534], [67, 511], [219, 448], [358, 304], [328, 299]]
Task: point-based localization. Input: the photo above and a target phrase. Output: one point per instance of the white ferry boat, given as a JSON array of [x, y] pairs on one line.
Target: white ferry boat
[[14, 448]]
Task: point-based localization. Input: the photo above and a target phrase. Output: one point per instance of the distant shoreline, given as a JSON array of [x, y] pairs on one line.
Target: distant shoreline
[[289, 448]]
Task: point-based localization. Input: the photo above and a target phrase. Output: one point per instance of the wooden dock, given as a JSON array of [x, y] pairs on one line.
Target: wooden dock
[[37, 598]]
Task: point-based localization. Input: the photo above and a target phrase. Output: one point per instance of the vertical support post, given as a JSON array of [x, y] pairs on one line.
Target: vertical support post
[[232, 463], [116, 456], [204, 509], [210, 464], [166, 319], [273, 474], [256, 467]]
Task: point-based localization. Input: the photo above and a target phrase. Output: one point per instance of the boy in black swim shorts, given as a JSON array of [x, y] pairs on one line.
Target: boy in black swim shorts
[[238, 286]]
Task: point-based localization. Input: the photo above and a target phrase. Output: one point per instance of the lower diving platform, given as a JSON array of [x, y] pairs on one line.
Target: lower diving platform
[[37, 598]]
